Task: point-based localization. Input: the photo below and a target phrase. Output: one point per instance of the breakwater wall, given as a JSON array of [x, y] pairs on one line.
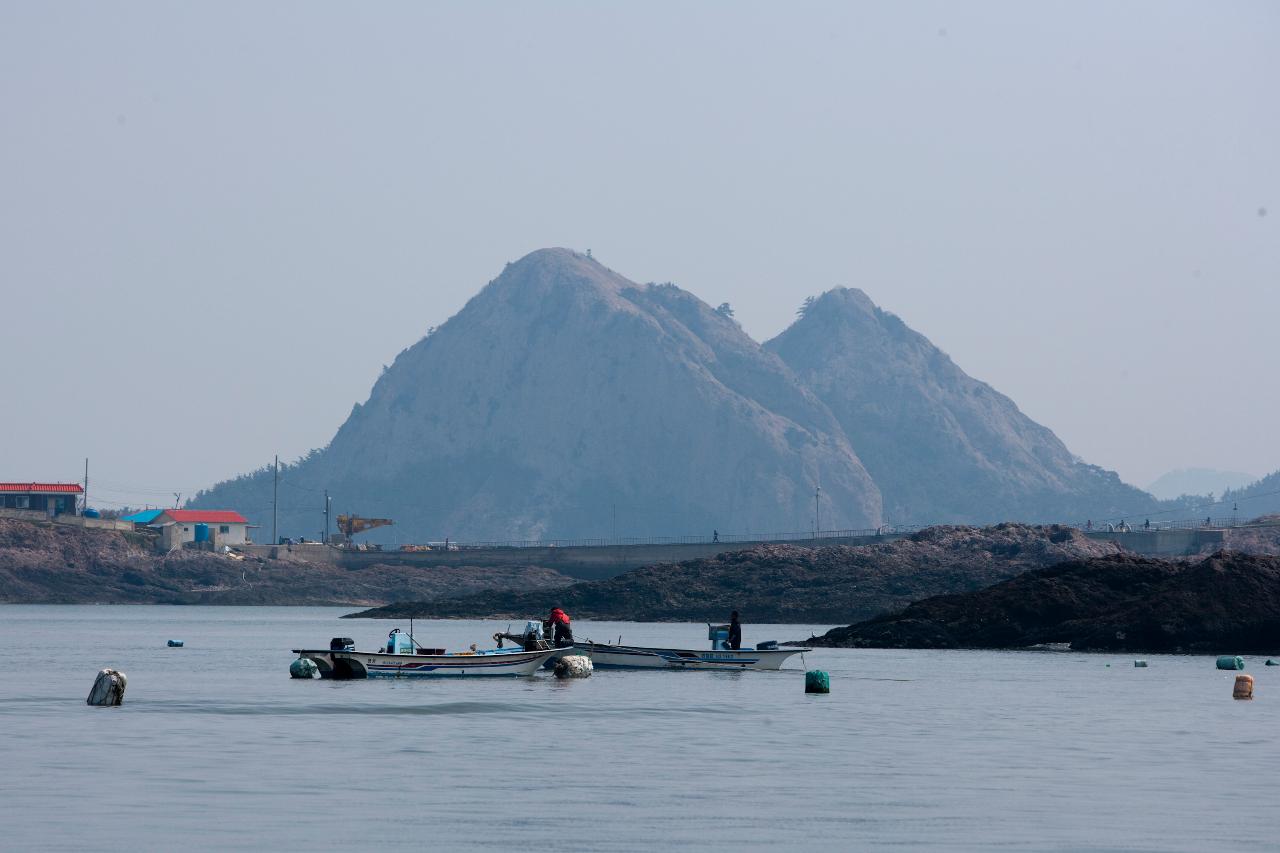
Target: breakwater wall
[[595, 562], [585, 562], [1176, 542]]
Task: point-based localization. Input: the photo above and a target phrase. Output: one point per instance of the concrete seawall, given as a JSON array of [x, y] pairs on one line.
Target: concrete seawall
[[585, 562], [593, 562], [1165, 543]]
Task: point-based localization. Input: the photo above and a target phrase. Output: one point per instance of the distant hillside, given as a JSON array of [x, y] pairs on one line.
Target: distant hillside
[[1198, 481], [941, 445], [1224, 604], [1259, 498], [788, 583], [565, 401]]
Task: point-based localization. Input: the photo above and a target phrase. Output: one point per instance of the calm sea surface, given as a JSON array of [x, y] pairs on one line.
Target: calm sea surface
[[216, 747]]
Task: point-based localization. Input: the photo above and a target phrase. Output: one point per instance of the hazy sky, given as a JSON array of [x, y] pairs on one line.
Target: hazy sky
[[220, 220]]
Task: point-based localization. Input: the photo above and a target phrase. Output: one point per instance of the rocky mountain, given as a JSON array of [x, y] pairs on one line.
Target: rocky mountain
[[563, 396], [565, 401], [788, 583], [1226, 603], [941, 445]]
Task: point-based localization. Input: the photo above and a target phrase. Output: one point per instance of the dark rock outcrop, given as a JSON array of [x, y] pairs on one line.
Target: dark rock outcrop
[[942, 446], [789, 583], [1228, 602]]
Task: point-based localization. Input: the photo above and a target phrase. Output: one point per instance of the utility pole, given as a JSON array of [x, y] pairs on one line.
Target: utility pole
[[275, 498], [86, 482], [327, 504], [817, 518]]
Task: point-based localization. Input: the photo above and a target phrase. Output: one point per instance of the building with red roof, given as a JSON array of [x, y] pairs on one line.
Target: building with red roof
[[51, 498], [219, 526]]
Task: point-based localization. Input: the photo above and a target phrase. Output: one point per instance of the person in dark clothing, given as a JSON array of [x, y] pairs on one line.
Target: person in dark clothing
[[735, 632], [561, 632]]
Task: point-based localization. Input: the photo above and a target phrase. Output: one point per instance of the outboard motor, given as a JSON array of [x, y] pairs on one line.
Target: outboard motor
[[530, 640], [342, 644]]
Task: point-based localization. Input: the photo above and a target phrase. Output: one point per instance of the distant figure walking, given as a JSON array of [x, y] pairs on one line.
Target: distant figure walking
[[735, 631], [715, 536], [1146, 525], [1088, 525]]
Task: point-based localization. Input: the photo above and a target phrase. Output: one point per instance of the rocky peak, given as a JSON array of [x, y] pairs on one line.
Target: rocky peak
[[941, 445]]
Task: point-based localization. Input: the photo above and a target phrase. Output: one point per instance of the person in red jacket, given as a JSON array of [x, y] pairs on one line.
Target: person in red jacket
[[561, 633]]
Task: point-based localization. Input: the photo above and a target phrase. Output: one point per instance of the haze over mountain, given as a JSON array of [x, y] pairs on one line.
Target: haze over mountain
[[1199, 481], [567, 401], [942, 446]]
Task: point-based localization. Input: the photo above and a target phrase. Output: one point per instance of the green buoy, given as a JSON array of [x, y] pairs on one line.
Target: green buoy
[[1271, 662], [1230, 662], [817, 681]]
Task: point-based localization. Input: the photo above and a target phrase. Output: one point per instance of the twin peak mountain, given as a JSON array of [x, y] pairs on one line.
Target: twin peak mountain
[[566, 401]]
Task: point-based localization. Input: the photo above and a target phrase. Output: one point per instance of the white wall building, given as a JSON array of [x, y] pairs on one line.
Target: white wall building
[[220, 526]]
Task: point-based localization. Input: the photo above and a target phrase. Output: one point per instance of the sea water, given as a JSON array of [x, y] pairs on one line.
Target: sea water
[[216, 747]]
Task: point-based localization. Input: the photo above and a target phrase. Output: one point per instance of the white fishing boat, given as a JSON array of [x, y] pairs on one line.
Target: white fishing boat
[[718, 657], [403, 657]]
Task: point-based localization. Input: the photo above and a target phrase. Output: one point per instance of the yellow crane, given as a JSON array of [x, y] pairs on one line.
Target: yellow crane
[[350, 525]]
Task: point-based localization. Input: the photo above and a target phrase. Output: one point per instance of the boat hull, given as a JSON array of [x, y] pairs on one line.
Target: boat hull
[[352, 664], [608, 656]]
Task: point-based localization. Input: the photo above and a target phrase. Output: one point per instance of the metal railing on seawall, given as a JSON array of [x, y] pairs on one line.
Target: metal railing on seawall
[[1207, 523], [715, 539], [807, 536]]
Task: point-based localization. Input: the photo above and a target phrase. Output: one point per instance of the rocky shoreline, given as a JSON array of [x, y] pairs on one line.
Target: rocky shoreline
[[786, 583], [42, 563], [1225, 603]]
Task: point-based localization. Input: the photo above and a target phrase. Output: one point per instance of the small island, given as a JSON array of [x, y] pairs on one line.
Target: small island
[[1225, 602]]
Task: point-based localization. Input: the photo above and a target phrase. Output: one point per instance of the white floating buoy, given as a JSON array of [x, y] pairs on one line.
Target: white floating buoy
[[574, 666], [108, 688], [303, 668]]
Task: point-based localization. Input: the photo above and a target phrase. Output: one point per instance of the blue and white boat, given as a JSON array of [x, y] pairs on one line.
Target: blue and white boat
[[404, 658]]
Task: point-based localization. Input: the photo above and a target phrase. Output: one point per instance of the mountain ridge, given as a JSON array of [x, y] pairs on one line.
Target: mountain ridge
[[566, 401], [562, 392], [934, 437]]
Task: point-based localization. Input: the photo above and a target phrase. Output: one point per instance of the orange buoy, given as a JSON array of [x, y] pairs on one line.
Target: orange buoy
[[1243, 688]]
